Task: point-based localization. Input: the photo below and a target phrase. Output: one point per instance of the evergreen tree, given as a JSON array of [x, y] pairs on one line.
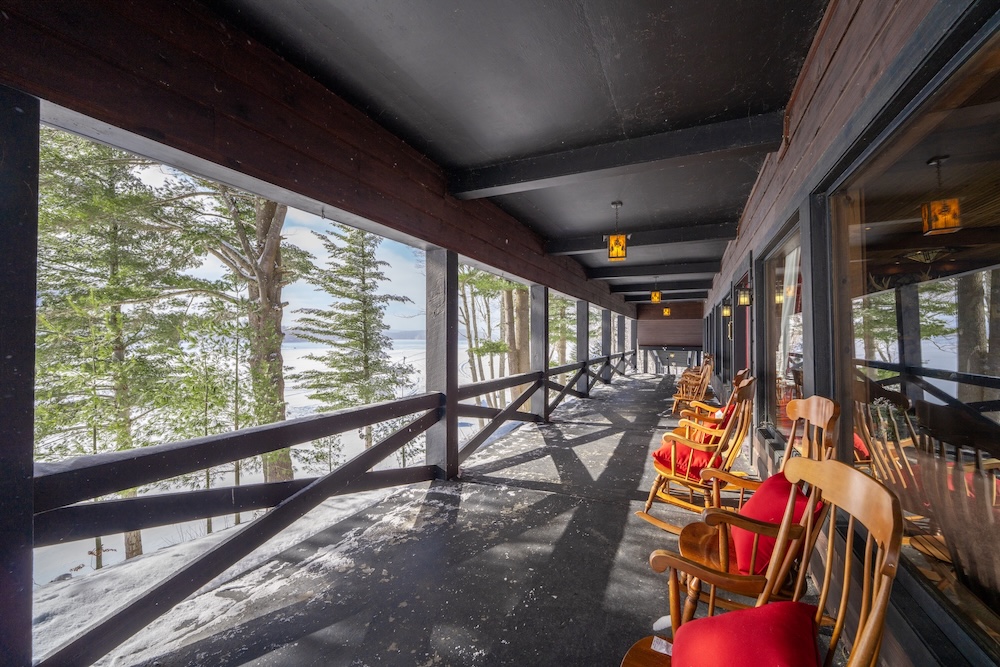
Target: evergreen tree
[[356, 368], [110, 284]]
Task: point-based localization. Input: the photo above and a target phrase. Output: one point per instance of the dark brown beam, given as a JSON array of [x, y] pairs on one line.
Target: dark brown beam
[[711, 231], [679, 296], [19, 215], [665, 287], [626, 270], [170, 81], [968, 237], [629, 156]]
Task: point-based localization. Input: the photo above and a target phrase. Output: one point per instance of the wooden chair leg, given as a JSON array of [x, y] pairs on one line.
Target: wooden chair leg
[[691, 603], [657, 484]]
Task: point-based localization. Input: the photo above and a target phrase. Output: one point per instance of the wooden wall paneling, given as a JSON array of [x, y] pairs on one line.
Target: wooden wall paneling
[[860, 42], [256, 114]]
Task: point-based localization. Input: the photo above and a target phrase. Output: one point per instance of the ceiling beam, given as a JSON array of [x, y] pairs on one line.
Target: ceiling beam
[[712, 231], [666, 287], [628, 156], [679, 296], [626, 270]]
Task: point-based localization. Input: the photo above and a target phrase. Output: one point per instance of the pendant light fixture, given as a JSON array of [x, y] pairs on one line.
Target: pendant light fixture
[[655, 295], [616, 242], [941, 216]]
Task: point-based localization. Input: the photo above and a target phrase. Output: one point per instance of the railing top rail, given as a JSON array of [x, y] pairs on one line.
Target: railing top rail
[[989, 381], [467, 391], [62, 482]]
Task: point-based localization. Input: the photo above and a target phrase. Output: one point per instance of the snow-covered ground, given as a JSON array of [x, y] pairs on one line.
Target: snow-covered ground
[[63, 609]]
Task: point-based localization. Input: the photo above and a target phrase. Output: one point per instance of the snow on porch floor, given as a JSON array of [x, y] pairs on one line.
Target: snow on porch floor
[[533, 557]]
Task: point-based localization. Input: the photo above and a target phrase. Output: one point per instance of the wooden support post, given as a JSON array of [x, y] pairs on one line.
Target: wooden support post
[[539, 349], [583, 342], [634, 344], [18, 267], [621, 338], [442, 357], [606, 343], [908, 321]]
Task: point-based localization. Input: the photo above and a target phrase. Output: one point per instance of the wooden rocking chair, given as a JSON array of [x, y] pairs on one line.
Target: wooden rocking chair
[[707, 413], [693, 447], [786, 633], [692, 387], [746, 554]]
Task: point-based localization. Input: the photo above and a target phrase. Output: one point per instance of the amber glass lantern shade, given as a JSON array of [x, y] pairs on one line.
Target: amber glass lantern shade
[[654, 296], [941, 216], [616, 248], [666, 311]]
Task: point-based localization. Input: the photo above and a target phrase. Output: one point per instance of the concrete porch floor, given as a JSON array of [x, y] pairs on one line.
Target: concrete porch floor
[[534, 557]]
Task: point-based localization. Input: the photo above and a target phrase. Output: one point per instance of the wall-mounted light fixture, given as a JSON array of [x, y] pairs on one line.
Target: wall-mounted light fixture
[[743, 297], [779, 296], [666, 311], [727, 310]]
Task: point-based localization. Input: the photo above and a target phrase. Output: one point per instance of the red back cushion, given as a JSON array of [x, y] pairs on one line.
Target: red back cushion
[[777, 634], [766, 504], [861, 448], [699, 460]]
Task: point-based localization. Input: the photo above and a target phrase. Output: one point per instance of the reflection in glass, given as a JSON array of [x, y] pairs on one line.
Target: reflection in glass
[[925, 311], [785, 329]]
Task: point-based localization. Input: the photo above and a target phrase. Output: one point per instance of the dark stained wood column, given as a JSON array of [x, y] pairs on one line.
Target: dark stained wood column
[[634, 343], [18, 265], [442, 357], [621, 334], [583, 342], [606, 343], [539, 348]]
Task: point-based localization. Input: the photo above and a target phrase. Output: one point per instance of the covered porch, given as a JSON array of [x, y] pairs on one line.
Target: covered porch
[[737, 148]]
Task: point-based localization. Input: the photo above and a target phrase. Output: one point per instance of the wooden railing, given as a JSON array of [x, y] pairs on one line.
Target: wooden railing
[[61, 487]]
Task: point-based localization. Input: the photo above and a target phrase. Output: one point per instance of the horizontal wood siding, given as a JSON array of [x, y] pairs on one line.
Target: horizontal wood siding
[[682, 329], [856, 43], [671, 333], [173, 73]]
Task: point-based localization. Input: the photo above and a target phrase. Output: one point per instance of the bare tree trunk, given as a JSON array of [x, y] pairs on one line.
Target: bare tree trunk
[[972, 342], [522, 319], [98, 553], [507, 331], [266, 362]]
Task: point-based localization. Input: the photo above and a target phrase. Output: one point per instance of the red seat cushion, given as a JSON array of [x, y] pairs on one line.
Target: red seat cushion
[[699, 460], [861, 448], [778, 634], [766, 504]]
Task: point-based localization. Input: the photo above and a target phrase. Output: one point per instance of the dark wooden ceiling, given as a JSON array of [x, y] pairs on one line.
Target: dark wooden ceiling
[[555, 109]]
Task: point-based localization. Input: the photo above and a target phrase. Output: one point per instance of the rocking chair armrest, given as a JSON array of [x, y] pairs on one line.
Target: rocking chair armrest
[[691, 415], [714, 516], [991, 464], [691, 444], [741, 584], [709, 474], [705, 407], [705, 430]]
